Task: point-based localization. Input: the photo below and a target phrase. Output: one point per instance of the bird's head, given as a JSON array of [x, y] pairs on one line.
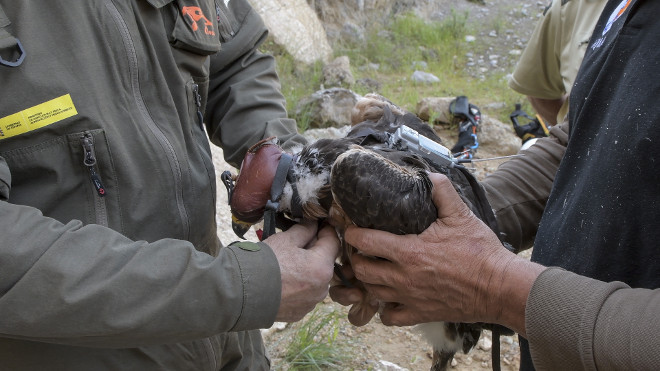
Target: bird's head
[[250, 190]]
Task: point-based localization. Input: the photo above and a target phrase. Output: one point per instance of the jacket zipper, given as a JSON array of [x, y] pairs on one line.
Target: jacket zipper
[[198, 104], [225, 26], [170, 154], [89, 160]]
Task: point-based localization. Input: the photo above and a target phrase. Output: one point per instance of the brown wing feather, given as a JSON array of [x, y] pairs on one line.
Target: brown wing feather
[[377, 193]]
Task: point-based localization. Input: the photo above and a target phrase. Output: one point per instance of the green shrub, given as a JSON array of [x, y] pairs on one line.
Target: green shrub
[[314, 345]]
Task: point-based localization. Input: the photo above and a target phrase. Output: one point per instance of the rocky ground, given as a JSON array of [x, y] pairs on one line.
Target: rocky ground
[[501, 32]]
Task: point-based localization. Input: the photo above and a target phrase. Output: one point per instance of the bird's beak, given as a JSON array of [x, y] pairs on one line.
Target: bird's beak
[[240, 227]]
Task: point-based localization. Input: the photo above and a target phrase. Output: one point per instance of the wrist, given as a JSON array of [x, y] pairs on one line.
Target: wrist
[[515, 283]]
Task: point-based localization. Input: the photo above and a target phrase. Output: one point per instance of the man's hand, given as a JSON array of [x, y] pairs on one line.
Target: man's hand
[[363, 305], [456, 270], [306, 266]]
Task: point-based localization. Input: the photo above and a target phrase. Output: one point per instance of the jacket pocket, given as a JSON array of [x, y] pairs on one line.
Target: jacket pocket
[[227, 23], [194, 26], [196, 90], [68, 177]]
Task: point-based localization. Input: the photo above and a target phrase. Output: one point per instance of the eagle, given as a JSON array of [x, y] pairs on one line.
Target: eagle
[[372, 178]]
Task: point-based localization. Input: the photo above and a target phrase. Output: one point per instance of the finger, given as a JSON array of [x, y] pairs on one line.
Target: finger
[[299, 235], [397, 315], [360, 314], [346, 296], [373, 271], [445, 197], [382, 293], [376, 243], [347, 271], [327, 244]]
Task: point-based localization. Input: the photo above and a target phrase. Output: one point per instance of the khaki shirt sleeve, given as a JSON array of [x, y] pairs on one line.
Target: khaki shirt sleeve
[[245, 103], [518, 191], [552, 58], [577, 323], [537, 73], [88, 285]]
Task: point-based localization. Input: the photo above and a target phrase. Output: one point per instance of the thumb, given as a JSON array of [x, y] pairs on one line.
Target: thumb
[[327, 245], [298, 236], [445, 197]]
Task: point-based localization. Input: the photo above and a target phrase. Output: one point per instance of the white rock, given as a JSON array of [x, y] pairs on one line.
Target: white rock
[[485, 343], [425, 77], [276, 327], [389, 366]]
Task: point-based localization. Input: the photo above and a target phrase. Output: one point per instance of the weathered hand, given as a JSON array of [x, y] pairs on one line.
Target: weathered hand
[[306, 266], [363, 304], [456, 270]]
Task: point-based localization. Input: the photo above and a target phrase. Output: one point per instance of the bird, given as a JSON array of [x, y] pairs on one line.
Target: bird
[[368, 178]]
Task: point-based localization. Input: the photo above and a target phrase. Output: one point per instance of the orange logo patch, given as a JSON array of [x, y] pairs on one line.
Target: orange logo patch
[[196, 15]]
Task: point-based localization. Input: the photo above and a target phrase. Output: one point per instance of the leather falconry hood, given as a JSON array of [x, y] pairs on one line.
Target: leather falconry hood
[[254, 181]]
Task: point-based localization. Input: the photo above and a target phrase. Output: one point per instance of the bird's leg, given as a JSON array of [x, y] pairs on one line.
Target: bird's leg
[[441, 360]]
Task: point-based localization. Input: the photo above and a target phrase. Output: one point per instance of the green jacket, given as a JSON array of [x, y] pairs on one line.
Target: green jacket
[[107, 189]]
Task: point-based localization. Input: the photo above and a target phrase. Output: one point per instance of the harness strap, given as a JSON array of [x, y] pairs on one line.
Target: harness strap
[[275, 194]]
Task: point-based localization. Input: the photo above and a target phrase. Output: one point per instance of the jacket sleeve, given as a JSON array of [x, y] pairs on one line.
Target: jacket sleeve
[[519, 189], [245, 103], [88, 285], [574, 322]]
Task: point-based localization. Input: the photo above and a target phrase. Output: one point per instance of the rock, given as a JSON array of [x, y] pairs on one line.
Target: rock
[[370, 66], [424, 77], [328, 107], [276, 327], [422, 65], [389, 366], [485, 343], [494, 106], [470, 38], [313, 135], [352, 32], [295, 26], [369, 84], [496, 134], [435, 109], [338, 73]]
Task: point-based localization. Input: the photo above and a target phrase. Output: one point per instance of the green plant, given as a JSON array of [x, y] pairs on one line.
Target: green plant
[[315, 345]]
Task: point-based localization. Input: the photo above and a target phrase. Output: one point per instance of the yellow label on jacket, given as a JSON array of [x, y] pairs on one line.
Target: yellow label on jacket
[[37, 117]]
